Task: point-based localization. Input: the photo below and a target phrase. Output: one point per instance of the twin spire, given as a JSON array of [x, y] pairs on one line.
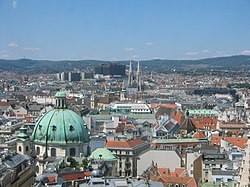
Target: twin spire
[[137, 81]]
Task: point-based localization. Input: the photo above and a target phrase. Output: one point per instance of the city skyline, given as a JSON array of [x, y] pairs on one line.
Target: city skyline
[[128, 30]]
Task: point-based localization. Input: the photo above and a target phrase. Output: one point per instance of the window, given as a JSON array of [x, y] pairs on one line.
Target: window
[[72, 151], [229, 180], [71, 128], [27, 148], [38, 150], [218, 179], [53, 128], [206, 174], [53, 152], [19, 148]]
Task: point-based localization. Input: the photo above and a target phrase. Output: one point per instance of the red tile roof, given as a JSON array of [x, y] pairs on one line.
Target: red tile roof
[[155, 105], [163, 171], [179, 176], [199, 135], [205, 126], [205, 123], [179, 118], [237, 141], [125, 144], [179, 172], [205, 120], [189, 181]]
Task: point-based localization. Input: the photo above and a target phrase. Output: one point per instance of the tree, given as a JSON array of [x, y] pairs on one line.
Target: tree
[[85, 163], [62, 165], [72, 162], [229, 133]]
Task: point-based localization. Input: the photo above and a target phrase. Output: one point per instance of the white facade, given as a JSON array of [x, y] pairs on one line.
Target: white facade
[[135, 108], [44, 99]]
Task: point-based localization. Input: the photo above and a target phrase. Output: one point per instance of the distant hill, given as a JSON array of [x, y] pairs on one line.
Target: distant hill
[[28, 66]]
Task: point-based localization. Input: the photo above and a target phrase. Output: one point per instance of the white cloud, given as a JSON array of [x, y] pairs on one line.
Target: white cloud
[[136, 56], [13, 44], [149, 43], [129, 49], [245, 52], [31, 48], [205, 51], [191, 53], [156, 58], [14, 4]]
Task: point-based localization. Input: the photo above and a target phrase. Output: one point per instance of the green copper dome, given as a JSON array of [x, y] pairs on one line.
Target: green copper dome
[[60, 126], [104, 154], [23, 134], [60, 94]]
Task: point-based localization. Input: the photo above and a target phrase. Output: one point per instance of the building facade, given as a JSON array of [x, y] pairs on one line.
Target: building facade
[[127, 153], [60, 132]]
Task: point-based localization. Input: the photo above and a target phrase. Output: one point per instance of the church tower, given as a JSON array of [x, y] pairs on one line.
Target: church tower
[[138, 77], [23, 145], [130, 75]]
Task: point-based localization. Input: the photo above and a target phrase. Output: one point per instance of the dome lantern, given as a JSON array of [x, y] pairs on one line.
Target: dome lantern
[[60, 100]]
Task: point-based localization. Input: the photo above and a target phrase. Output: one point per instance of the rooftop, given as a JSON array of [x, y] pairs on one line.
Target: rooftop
[[103, 154], [124, 144], [179, 140]]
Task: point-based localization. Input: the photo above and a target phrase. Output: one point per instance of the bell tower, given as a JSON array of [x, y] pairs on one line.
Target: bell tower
[[23, 145], [138, 77]]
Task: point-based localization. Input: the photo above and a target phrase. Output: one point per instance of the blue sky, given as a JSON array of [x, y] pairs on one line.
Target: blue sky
[[123, 29]]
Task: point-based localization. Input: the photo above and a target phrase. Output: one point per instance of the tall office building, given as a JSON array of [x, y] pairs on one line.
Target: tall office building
[[74, 76], [64, 76], [112, 69]]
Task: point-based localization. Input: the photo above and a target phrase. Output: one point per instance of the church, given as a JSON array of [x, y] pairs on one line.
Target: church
[[134, 79], [58, 133]]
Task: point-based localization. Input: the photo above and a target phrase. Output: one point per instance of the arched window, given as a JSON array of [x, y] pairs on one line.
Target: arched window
[[53, 152], [27, 148], [72, 151], [38, 150], [19, 148]]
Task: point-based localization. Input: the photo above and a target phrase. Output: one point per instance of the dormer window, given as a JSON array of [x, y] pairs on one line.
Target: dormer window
[[53, 128], [71, 128]]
